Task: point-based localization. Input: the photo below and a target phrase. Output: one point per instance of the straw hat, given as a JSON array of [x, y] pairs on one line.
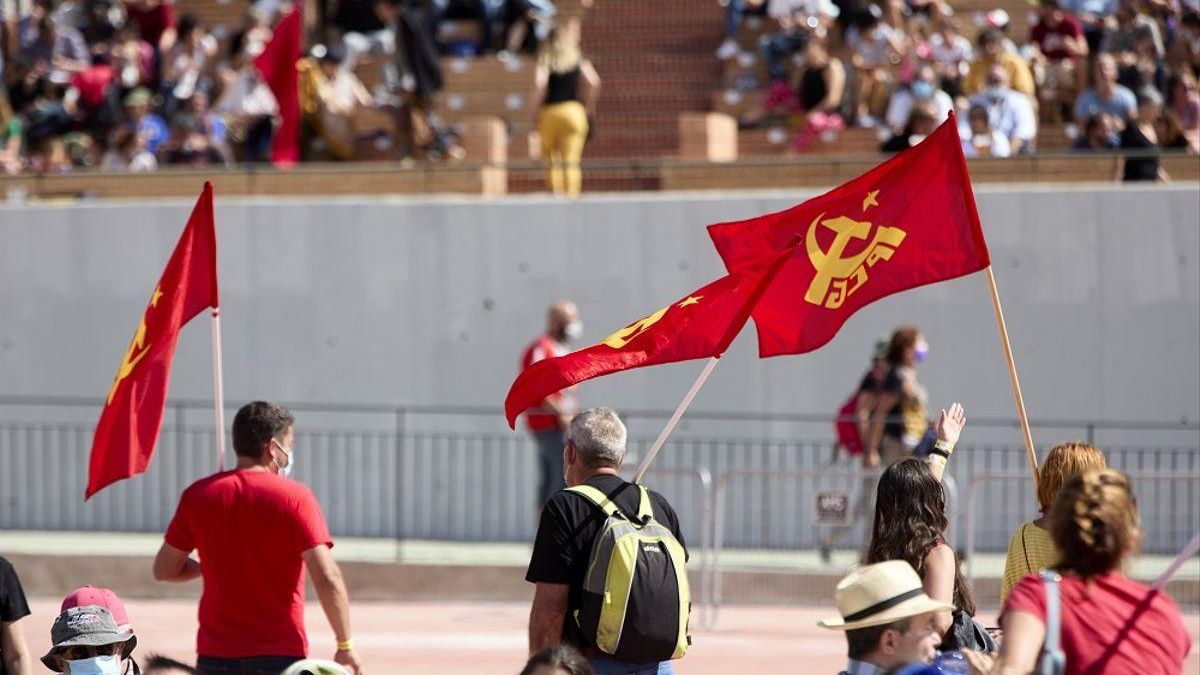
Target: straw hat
[[878, 594]]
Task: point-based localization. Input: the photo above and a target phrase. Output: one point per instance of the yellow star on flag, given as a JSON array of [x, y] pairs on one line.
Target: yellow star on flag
[[870, 200], [157, 294], [690, 300]]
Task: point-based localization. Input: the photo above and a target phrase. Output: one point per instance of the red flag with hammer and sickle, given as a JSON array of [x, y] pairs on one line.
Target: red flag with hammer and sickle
[[908, 222], [699, 325], [133, 411]]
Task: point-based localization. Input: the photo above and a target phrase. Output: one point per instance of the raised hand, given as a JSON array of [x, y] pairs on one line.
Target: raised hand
[[950, 424]]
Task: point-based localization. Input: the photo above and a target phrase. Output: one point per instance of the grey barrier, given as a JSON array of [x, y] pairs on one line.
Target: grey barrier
[[811, 480], [1176, 497], [476, 486], [702, 502]]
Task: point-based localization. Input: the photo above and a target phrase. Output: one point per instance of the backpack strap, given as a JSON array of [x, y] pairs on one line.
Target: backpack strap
[[601, 500], [598, 498], [645, 511], [1052, 657], [1025, 548]]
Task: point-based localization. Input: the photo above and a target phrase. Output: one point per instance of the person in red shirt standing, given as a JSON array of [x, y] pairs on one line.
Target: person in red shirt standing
[[548, 422], [156, 21], [1063, 49], [1109, 623], [256, 531]]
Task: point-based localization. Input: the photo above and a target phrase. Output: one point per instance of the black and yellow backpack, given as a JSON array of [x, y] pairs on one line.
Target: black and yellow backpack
[[636, 600]]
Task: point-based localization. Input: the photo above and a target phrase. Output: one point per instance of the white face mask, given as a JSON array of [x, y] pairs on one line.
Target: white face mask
[[97, 665], [285, 470], [573, 329]]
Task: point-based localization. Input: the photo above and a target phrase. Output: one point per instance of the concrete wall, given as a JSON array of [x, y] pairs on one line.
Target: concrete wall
[[430, 302]]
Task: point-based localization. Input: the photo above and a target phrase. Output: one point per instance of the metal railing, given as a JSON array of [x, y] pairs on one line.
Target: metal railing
[[399, 417], [1168, 506], [701, 502], [857, 481], [400, 474]]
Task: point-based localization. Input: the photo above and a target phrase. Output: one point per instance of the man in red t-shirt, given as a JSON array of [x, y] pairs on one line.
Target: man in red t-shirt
[[549, 421], [1063, 47], [256, 531]]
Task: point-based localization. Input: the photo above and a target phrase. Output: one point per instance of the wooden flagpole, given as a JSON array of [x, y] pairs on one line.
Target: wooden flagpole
[[683, 406], [218, 387], [1012, 375], [1188, 551], [730, 334]]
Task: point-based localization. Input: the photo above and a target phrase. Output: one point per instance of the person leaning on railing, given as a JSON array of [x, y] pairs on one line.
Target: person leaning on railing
[[1108, 623], [1030, 549]]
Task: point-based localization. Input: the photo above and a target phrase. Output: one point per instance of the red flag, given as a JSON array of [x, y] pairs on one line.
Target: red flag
[[277, 64], [908, 222], [697, 326], [132, 415]]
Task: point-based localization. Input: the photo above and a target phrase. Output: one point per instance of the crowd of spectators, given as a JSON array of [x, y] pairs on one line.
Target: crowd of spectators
[[132, 85], [1110, 73]]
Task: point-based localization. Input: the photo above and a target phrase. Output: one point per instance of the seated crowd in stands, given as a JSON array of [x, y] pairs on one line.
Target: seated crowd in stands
[[129, 85], [1117, 74]]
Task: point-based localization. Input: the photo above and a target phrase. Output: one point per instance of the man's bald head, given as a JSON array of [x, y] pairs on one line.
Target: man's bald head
[[562, 314]]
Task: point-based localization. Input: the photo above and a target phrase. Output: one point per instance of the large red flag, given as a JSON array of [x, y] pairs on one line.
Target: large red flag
[[277, 64], [698, 325], [132, 416], [908, 222]]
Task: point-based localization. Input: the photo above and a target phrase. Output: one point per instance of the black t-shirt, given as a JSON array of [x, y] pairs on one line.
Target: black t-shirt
[[12, 599], [1139, 168], [357, 16], [898, 143], [871, 383], [570, 524], [562, 87], [893, 384]]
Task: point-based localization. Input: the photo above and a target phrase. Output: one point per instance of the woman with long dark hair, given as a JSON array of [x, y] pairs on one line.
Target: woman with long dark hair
[[910, 525]]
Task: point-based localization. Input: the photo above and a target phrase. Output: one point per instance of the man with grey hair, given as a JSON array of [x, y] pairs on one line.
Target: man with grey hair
[[570, 523]]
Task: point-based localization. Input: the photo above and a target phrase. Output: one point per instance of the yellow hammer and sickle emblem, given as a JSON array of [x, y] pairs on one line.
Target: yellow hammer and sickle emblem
[[627, 334], [137, 349], [845, 274]]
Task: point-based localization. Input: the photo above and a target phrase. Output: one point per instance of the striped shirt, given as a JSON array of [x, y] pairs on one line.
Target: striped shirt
[[1029, 551]]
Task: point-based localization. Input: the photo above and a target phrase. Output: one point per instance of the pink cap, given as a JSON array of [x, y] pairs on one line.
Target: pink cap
[[90, 595]]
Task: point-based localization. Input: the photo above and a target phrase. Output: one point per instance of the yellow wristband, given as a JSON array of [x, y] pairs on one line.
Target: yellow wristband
[[936, 460], [346, 645]]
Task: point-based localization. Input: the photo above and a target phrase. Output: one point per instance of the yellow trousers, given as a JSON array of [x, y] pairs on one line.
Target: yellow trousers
[[563, 128]]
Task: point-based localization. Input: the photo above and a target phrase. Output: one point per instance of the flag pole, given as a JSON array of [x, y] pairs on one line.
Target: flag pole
[[683, 406], [1012, 375], [732, 332], [218, 387], [1188, 551]]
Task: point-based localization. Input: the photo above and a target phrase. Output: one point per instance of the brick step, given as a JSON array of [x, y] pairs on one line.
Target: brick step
[[618, 102], [780, 141], [621, 40]]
